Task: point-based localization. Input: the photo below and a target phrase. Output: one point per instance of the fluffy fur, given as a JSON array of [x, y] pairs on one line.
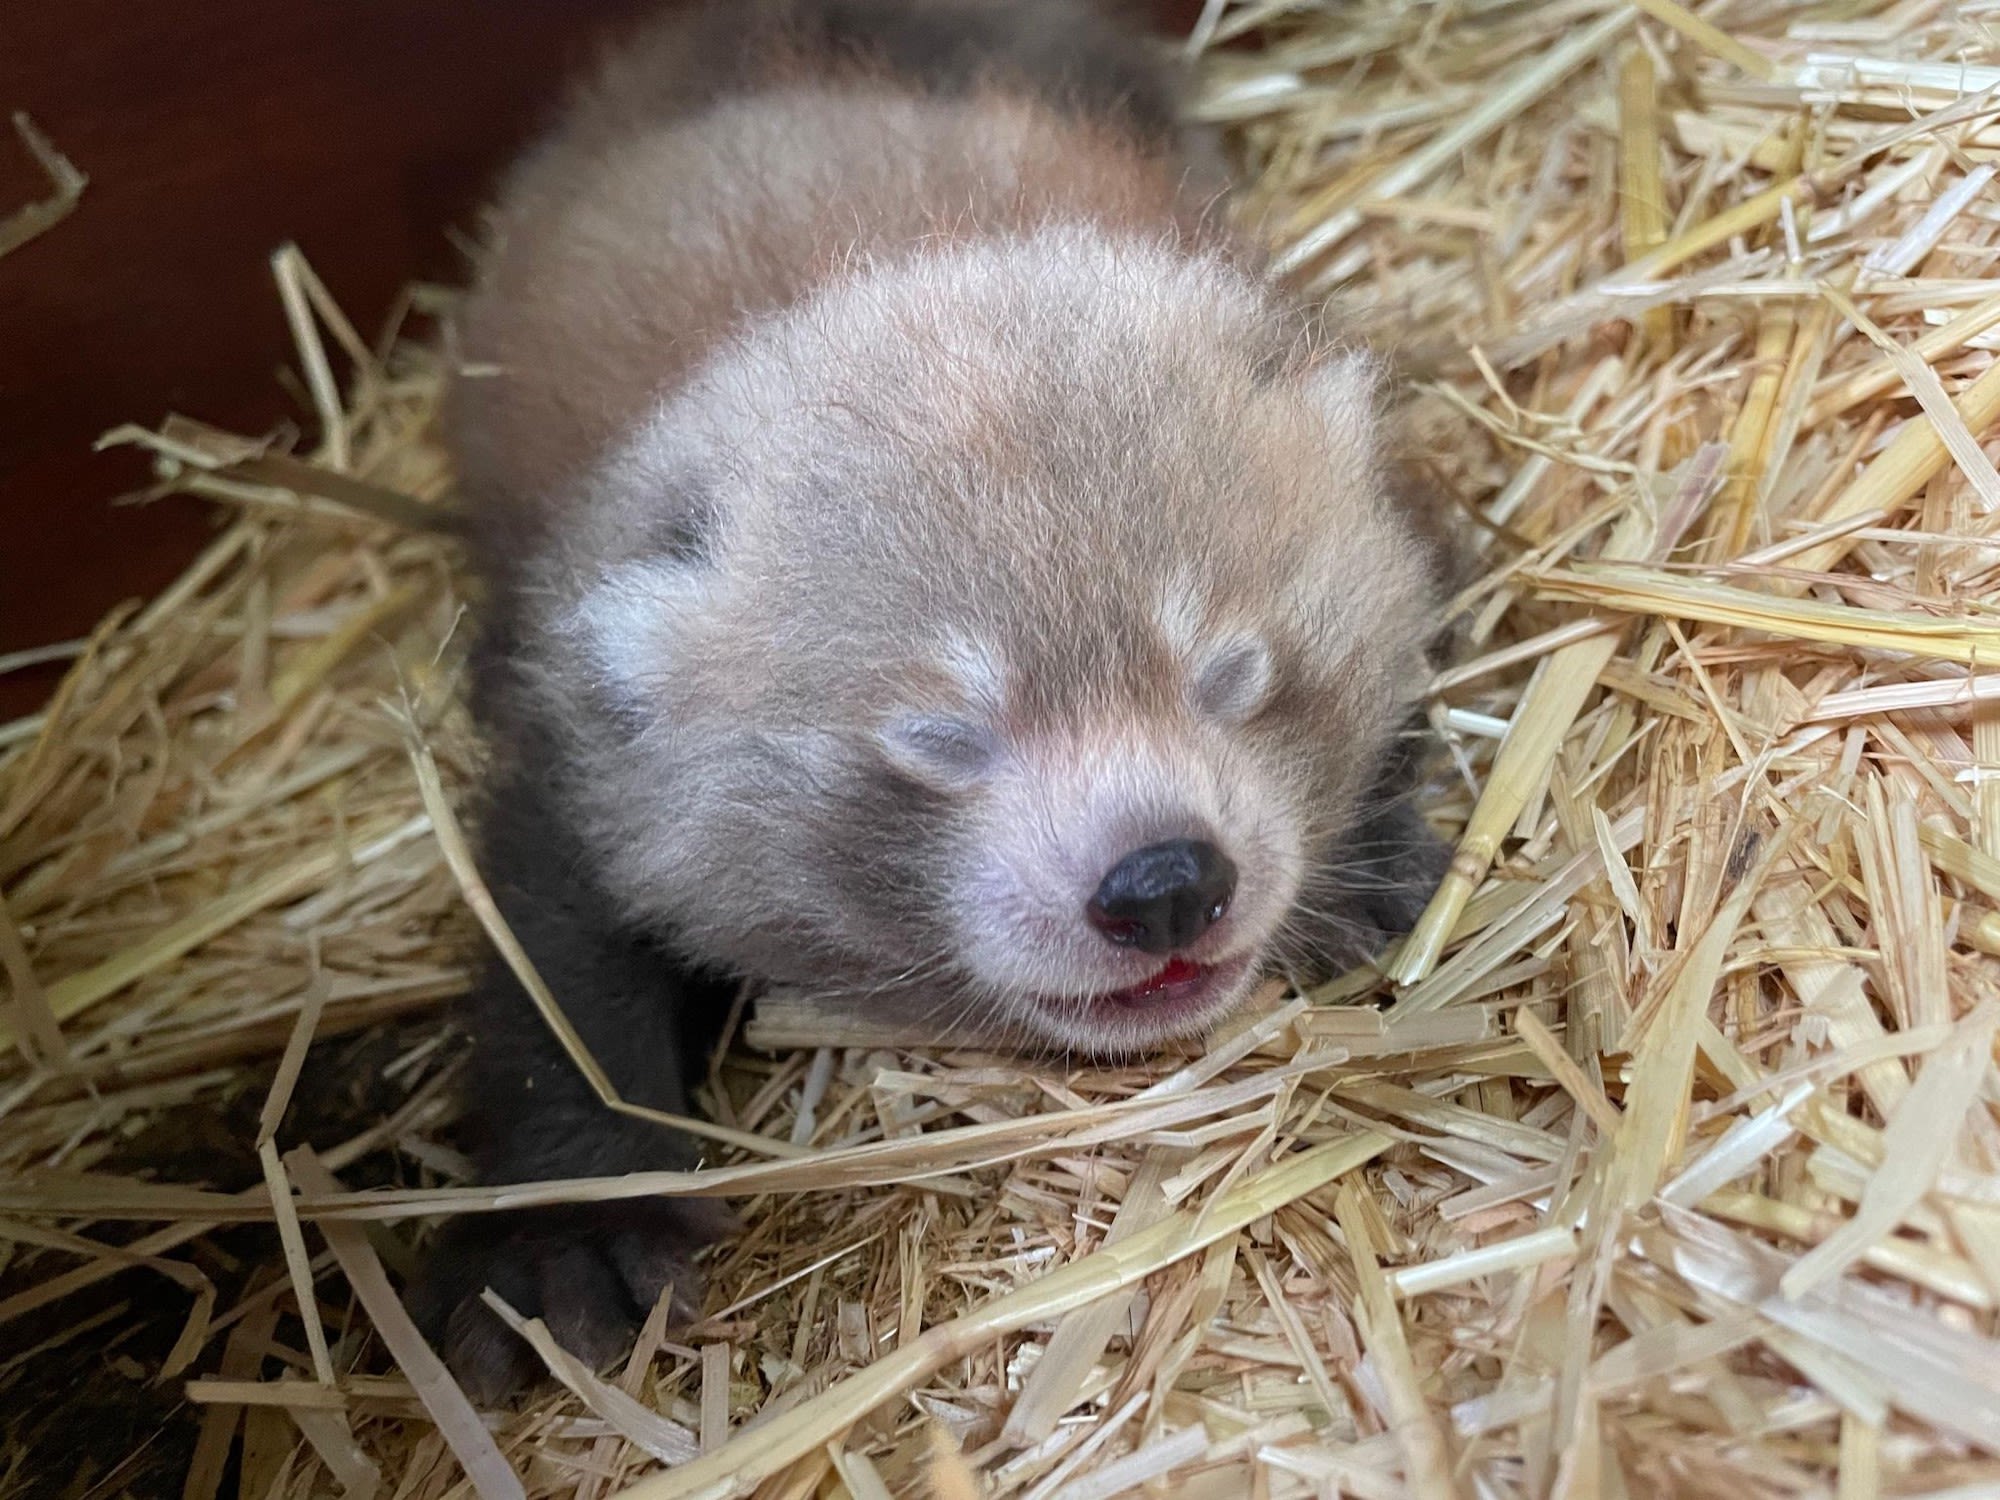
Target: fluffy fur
[[899, 501]]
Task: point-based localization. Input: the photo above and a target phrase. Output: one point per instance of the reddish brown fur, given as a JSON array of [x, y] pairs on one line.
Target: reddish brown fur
[[586, 329]]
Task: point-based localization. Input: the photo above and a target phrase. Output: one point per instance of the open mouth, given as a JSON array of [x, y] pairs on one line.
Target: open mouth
[[1180, 989]]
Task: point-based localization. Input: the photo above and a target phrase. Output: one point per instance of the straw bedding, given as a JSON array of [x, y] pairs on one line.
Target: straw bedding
[[1658, 1161]]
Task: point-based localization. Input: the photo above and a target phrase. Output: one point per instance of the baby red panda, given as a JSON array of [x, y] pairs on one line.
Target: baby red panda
[[923, 560]]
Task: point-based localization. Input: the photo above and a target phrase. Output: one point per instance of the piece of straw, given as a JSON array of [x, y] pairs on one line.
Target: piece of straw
[[456, 1420], [66, 185], [738, 1467]]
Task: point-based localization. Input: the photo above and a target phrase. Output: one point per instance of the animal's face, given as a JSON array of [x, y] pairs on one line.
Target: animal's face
[[1042, 662], [1108, 880]]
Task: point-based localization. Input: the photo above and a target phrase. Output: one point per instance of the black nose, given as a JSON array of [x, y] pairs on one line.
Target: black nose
[[1164, 896]]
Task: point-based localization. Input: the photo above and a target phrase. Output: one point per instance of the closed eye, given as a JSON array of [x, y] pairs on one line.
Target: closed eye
[[940, 750], [1235, 681]]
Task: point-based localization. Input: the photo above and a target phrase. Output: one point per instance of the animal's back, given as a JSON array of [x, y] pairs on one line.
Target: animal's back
[[730, 162]]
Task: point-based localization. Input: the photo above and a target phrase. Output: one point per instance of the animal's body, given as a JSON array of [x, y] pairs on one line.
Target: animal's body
[[923, 560]]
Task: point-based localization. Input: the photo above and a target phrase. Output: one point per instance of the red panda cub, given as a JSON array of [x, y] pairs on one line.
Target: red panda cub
[[922, 560]]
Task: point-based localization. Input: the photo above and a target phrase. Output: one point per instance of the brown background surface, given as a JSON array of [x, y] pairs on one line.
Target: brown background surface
[[212, 133]]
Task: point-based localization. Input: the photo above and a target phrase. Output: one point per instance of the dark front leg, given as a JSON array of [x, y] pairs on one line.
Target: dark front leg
[[1372, 884], [1386, 871], [591, 1272]]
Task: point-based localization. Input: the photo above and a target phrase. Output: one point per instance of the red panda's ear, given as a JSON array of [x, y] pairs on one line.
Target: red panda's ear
[[630, 626], [1345, 390]]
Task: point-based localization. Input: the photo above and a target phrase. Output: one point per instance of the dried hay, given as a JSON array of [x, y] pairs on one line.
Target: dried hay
[[1665, 1168]]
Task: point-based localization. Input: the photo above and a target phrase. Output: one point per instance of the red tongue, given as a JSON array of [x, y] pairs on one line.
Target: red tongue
[[1177, 971]]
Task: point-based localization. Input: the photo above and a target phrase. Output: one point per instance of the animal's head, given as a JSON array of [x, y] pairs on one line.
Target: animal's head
[[1029, 628]]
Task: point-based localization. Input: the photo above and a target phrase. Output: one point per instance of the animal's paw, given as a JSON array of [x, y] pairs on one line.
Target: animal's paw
[[590, 1272], [1371, 891], [1398, 861]]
